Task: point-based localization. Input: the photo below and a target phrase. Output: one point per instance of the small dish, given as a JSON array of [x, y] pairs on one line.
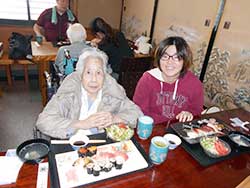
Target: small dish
[[33, 151], [78, 140], [173, 140], [215, 147], [240, 139], [119, 132]]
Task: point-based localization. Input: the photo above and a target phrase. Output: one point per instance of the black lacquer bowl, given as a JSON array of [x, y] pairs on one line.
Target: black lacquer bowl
[[33, 151]]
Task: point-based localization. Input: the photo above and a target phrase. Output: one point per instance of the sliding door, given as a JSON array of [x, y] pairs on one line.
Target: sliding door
[[227, 79]]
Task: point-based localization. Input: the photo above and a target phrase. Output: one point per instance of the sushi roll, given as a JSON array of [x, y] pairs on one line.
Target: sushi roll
[[102, 164], [96, 170], [112, 161], [108, 166], [119, 162], [91, 151], [90, 168], [82, 152]]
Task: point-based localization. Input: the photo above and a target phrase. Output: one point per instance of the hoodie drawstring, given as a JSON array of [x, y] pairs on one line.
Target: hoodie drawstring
[[175, 89], [161, 92]]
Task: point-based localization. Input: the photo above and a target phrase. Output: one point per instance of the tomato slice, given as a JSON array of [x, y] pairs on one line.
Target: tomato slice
[[220, 148], [122, 125]]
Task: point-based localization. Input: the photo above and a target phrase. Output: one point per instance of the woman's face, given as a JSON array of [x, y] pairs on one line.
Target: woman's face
[[93, 76], [171, 65]]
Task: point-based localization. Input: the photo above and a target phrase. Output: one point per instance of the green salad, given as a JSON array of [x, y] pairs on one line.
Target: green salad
[[119, 132]]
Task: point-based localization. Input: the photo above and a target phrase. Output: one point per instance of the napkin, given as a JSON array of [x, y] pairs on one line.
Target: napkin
[[11, 166]]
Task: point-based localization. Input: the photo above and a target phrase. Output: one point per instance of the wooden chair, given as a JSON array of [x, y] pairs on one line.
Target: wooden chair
[[6, 62], [131, 71]]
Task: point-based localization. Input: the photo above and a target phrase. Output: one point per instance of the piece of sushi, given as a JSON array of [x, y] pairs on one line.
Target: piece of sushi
[[96, 170], [90, 168], [91, 150], [119, 162], [82, 152], [108, 166]]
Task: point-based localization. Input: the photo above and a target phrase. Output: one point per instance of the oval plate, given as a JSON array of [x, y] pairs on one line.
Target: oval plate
[[33, 151], [213, 155], [240, 139]]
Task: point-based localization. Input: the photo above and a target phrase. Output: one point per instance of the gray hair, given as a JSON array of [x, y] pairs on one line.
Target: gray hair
[[91, 53], [76, 33]]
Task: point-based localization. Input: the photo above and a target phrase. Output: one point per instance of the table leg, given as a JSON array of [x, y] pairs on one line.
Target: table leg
[[43, 66]]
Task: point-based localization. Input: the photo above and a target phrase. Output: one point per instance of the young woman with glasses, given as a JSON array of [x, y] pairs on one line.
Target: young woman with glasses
[[170, 91]]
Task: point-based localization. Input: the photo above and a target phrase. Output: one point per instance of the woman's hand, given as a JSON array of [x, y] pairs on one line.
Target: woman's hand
[[184, 116], [99, 120]]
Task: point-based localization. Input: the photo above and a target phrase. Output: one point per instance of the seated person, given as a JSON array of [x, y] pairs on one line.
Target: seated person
[[77, 36], [170, 91], [88, 99], [112, 42], [53, 22]]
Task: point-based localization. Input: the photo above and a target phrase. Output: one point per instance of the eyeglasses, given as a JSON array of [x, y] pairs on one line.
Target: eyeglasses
[[166, 57]]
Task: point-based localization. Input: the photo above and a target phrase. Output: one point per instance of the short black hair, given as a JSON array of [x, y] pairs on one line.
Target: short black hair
[[183, 51]]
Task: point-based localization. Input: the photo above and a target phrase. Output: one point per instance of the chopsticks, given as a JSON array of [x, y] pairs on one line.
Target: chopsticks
[[67, 141]]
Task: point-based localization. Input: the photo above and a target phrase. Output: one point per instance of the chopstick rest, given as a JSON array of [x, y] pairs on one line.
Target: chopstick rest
[[239, 123]]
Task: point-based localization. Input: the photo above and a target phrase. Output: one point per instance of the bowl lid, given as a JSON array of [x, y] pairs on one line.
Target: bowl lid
[[33, 151]]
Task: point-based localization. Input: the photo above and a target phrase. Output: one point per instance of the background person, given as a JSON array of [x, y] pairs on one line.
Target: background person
[[77, 36], [112, 42], [88, 99], [171, 90], [53, 22]]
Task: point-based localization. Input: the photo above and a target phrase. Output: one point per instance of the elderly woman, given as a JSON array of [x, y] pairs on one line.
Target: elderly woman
[[88, 99], [77, 37], [170, 91]]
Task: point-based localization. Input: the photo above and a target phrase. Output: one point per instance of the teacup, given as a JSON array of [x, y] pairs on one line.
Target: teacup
[[158, 150], [145, 127]]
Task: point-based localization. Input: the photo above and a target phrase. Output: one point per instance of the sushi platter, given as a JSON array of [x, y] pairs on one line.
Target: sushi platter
[[193, 131], [96, 163]]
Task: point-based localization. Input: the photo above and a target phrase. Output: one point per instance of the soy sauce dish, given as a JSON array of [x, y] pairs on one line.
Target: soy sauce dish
[[240, 139], [173, 140], [33, 151], [78, 140]]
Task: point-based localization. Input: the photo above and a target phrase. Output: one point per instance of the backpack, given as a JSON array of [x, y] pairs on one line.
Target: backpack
[[19, 46]]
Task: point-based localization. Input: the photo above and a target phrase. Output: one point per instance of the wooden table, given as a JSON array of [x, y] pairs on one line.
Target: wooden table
[[42, 55], [180, 170]]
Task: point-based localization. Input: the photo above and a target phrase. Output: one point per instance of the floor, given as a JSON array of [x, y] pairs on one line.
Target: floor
[[20, 105]]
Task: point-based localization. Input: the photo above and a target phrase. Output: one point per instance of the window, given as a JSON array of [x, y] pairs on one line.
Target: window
[[24, 9]]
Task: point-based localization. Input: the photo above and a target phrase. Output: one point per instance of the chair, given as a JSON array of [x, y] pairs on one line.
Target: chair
[[131, 71]]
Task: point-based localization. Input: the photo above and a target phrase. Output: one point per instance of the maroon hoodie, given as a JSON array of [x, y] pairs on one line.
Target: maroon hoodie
[[157, 98]]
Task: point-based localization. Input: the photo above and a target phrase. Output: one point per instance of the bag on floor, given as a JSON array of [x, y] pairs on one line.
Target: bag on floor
[[19, 46]]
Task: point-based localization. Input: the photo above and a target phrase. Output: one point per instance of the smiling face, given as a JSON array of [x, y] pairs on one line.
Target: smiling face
[[171, 65], [93, 76]]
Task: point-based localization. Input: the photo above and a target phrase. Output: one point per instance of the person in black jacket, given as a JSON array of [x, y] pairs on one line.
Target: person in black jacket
[[112, 42]]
